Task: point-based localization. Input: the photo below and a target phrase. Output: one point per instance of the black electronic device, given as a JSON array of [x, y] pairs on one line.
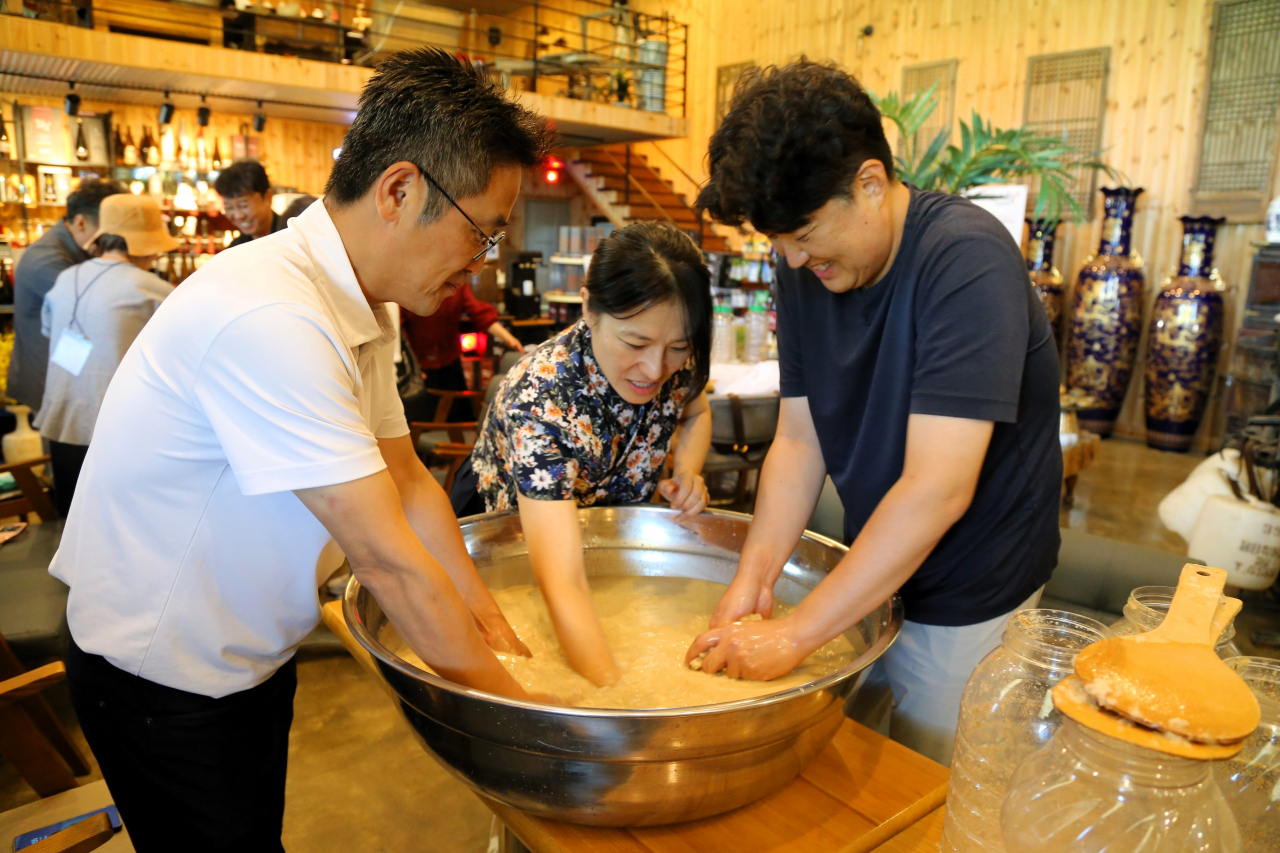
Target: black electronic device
[[521, 294]]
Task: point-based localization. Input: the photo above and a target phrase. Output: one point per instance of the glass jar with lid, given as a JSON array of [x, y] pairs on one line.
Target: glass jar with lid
[[1146, 609], [1006, 713], [1086, 792], [1250, 780]]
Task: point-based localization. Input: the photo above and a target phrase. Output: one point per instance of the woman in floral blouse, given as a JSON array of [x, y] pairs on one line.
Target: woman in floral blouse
[[588, 419]]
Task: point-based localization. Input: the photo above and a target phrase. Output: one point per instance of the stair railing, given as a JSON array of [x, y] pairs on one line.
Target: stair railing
[[701, 214], [632, 180]]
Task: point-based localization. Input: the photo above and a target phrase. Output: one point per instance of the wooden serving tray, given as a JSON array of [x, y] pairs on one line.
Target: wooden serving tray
[[859, 793]]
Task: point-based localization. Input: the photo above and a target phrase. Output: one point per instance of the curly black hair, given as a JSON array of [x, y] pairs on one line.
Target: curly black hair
[[793, 139]]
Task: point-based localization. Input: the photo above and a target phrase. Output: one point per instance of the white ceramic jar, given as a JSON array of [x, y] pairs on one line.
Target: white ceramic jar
[[1242, 537]]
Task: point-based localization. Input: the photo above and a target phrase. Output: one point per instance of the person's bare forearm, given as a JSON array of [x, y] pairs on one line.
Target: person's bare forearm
[[692, 444], [425, 506], [790, 483], [903, 530], [417, 594], [555, 553]]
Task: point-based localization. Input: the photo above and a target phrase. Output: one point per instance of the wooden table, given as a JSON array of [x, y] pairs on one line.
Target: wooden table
[[856, 795], [1075, 459], [923, 836]]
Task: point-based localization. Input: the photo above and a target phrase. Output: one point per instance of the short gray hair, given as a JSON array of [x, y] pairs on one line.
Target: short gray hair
[[444, 115]]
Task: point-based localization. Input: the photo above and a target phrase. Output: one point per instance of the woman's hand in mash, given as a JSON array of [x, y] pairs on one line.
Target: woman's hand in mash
[[686, 492], [758, 651], [499, 635]]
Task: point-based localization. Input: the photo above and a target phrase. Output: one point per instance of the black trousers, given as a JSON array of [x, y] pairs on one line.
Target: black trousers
[[186, 771], [66, 461], [465, 495]]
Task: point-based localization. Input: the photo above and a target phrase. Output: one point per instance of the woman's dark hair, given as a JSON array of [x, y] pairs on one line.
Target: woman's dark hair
[[111, 243], [428, 107], [241, 178], [648, 263], [793, 139]]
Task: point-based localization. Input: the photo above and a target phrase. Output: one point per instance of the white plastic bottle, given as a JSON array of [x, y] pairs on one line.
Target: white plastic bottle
[[722, 349], [757, 331]]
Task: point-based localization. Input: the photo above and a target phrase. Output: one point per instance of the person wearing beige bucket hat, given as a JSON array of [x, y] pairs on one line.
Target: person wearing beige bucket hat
[[137, 220], [90, 316]]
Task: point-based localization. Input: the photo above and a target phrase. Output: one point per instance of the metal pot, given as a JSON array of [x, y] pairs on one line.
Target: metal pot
[[621, 767]]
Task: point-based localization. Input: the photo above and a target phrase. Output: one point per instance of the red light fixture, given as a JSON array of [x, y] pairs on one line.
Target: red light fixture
[[551, 170], [473, 342]]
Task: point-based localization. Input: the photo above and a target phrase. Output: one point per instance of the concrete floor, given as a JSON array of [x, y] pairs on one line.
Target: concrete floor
[[358, 781]]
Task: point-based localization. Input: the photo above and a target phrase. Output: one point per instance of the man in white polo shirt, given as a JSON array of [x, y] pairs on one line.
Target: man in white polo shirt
[[254, 418]]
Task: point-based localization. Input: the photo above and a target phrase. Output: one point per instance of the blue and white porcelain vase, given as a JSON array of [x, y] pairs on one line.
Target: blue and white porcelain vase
[[1106, 321], [1185, 338], [1045, 277]]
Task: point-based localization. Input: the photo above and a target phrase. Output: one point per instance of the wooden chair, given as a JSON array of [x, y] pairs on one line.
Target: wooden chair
[[23, 743], [442, 443], [34, 497], [445, 405]]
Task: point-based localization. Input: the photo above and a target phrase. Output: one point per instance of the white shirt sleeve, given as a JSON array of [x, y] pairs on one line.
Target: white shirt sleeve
[[279, 392]]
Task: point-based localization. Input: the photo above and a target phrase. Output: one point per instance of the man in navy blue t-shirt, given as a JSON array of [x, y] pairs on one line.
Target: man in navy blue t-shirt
[[918, 370]]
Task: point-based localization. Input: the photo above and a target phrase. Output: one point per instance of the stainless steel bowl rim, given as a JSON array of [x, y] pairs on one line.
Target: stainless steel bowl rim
[[384, 656]]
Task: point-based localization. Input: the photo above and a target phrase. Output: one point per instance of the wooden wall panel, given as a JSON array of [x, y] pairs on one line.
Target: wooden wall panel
[[1159, 52], [295, 153]]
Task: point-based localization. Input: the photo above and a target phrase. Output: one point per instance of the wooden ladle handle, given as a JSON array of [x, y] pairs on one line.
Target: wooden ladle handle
[[1192, 609], [1228, 609]]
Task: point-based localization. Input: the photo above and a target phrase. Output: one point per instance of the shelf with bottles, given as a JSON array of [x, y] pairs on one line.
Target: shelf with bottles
[[170, 149]]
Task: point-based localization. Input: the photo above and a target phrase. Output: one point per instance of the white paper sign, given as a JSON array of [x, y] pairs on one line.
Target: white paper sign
[[72, 351], [1006, 202]]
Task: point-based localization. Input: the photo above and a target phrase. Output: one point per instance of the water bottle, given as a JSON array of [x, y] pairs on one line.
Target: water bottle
[[757, 329], [722, 349]]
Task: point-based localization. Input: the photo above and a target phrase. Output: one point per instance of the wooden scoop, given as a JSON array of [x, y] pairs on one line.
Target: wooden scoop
[[1170, 678]]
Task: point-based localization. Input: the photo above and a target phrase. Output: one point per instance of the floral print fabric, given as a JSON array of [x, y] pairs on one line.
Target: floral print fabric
[[558, 431]]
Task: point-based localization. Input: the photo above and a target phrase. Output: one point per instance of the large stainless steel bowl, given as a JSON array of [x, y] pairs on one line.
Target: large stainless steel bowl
[[628, 768]]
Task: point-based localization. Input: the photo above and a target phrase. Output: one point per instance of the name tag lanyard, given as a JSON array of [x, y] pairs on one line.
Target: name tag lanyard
[[74, 346]]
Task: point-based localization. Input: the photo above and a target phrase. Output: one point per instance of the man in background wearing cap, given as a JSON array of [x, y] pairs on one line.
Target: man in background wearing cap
[[59, 248], [90, 317]]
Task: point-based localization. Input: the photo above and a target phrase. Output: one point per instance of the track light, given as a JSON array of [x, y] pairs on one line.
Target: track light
[[71, 104], [166, 110], [259, 119], [202, 114]]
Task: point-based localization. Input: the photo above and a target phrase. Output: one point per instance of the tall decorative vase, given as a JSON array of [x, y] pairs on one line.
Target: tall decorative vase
[[1106, 321], [1045, 277], [1186, 335]]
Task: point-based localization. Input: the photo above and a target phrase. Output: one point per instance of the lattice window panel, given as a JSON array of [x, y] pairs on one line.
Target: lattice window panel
[[1238, 145], [726, 79], [1067, 97], [917, 78]]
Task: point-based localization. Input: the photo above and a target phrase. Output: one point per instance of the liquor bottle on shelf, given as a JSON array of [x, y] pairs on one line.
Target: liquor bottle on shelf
[[182, 156], [202, 152], [129, 152], [216, 163], [168, 148], [150, 147], [117, 147], [6, 147], [82, 144]]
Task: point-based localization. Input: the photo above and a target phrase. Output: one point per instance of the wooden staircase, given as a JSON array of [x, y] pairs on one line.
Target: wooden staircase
[[626, 188]]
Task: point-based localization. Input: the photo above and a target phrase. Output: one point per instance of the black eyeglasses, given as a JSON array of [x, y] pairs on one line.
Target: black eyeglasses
[[489, 242]]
